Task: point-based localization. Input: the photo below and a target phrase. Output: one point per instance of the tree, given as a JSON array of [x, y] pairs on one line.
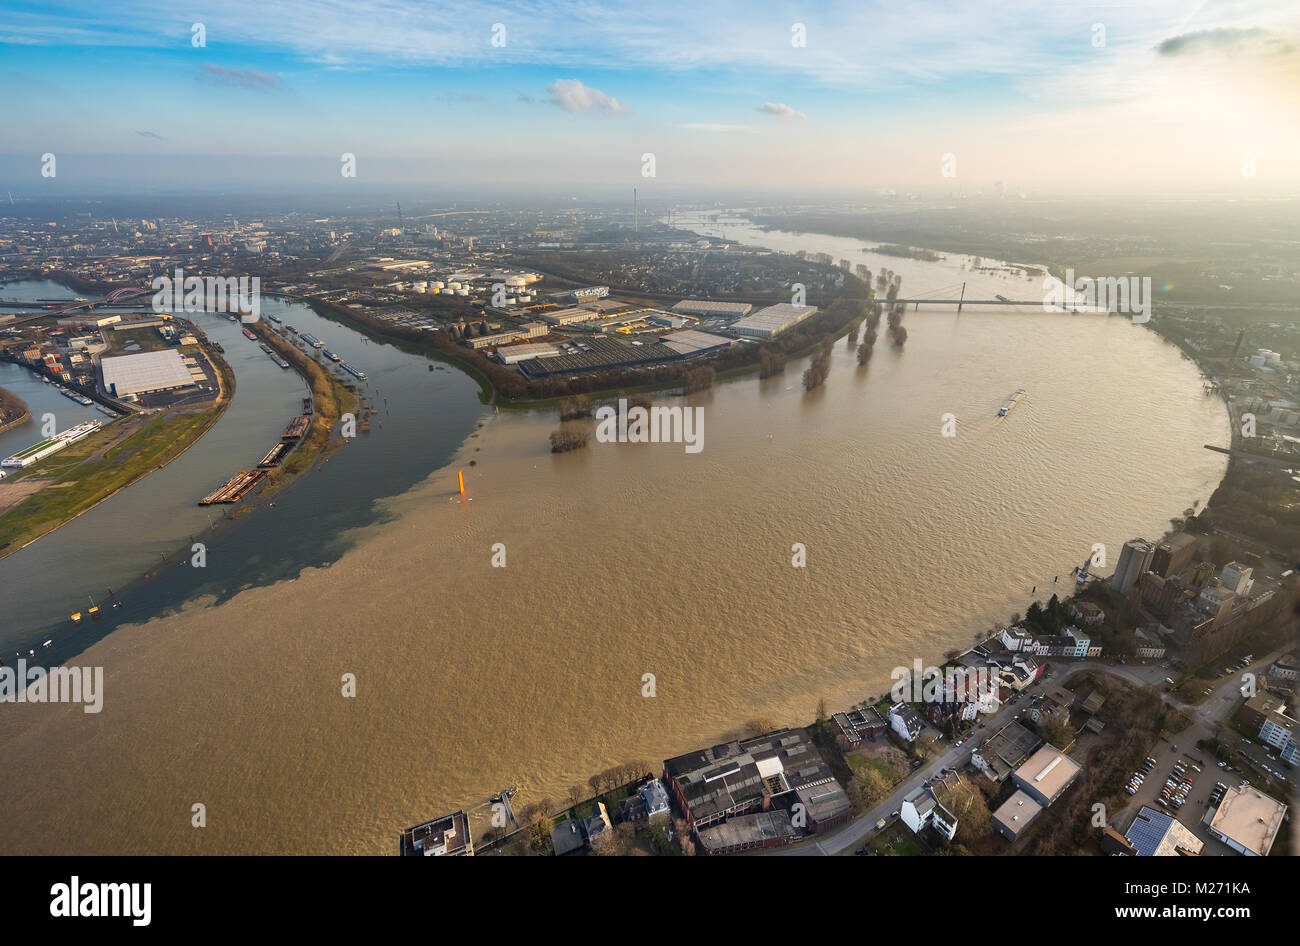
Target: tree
[[537, 828], [771, 363], [866, 348], [1056, 732], [615, 843], [869, 787], [699, 379], [974, 820], [572, 436], [819, 370]]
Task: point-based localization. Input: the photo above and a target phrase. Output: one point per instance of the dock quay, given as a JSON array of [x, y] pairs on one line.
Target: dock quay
[[273, 456], [297, 427], [234, 488]]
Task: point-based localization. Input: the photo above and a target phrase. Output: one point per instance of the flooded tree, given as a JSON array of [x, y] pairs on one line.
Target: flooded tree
[[569, 437], [699, 379], [771, 363], [573, 408], [819, 370]]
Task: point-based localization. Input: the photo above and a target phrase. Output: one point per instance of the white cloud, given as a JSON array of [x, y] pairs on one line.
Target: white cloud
[[572, 96], [780, 111]]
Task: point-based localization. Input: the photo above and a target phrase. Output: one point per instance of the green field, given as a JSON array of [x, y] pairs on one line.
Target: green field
[[80, 483]]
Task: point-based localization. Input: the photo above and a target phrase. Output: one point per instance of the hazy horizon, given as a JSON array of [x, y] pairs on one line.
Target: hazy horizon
[[1152, 98]]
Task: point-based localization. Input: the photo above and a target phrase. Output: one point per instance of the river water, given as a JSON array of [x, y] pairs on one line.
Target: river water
[[423, 415], [625, 560]]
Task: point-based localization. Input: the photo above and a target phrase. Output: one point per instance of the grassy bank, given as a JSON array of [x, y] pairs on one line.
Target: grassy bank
[[85, 474], [330, 398]]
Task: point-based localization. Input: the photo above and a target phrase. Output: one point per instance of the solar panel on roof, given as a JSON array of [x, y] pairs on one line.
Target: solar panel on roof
[[1147, 831]]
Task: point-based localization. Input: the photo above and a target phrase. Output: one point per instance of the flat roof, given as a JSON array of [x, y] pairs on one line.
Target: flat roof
[[747, 829], [1048, 770], [689, 341], [704, 305], [774, 318], [1017, 811], [147, 371], [1249, 817], [1156, 834], [1009, 746]]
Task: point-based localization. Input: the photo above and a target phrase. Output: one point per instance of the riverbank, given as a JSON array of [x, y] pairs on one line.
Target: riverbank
[[13, 410], [504, 388], [93, 470], [621, 558], [328, 394]]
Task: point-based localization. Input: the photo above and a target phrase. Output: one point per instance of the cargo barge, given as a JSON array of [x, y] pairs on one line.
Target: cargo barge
[[297, 427], [1011, 402], [361, 375], [234, 488], [274, 456]]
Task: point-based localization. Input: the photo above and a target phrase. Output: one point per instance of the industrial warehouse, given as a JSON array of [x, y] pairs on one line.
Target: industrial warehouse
[[598, 352], [129, 376], [773, 320]]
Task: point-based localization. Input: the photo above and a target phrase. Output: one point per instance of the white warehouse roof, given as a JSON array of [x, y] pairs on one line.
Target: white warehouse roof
[[147, 371]]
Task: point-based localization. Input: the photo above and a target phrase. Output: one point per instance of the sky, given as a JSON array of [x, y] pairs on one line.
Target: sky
[[937, 98]]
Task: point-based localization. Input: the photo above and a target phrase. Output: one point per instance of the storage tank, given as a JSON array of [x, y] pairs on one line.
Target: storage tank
[[515, 281]]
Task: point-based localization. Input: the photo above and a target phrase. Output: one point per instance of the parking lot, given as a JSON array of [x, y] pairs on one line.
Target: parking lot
[[1203, 782]]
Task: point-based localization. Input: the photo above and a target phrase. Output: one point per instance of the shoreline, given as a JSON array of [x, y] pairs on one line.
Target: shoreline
[[464, 454], [218, 407], [535, 750], [12, 402]]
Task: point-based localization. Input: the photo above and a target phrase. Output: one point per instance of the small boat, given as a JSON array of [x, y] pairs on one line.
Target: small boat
[[76, 617]]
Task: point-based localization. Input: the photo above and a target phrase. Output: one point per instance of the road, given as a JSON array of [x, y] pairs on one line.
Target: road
[[1208, 714], [852, 835]]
